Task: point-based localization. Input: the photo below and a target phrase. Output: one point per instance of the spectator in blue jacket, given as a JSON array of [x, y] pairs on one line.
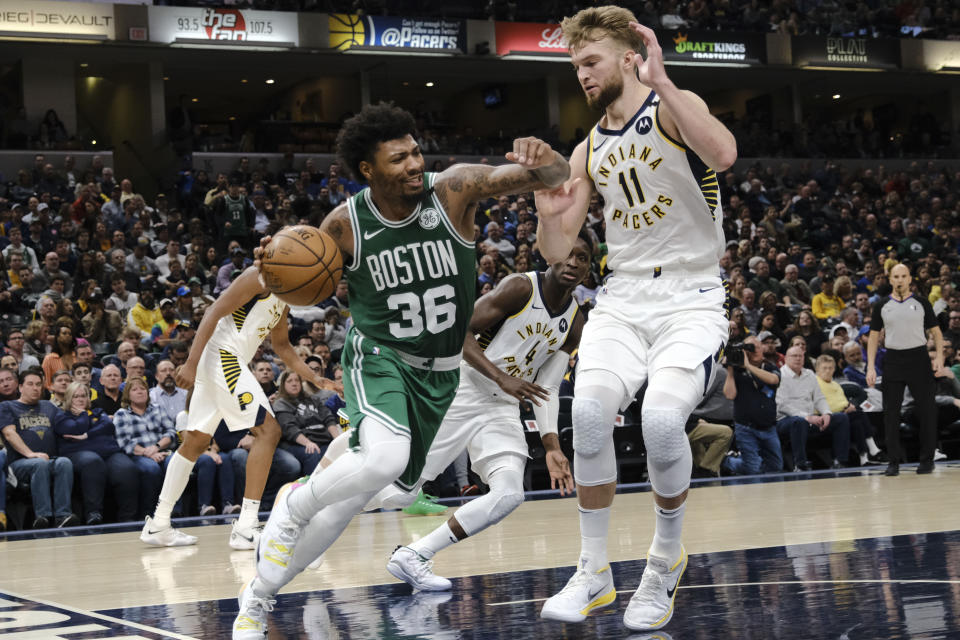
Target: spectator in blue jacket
[[88, 438], [27, 426]]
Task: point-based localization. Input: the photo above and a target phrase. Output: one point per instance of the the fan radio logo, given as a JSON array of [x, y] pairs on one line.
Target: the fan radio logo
[[224, 24]]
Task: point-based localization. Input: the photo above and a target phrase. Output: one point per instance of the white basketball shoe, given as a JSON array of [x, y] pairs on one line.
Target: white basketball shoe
[[408, 565], [165, 536], [251, 620], [245, 538], [651, 606], [584, 592]]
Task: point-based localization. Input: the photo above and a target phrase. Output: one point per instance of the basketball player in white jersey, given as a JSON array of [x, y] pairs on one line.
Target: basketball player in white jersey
[[225, 390], [528, 327], [659, 319]]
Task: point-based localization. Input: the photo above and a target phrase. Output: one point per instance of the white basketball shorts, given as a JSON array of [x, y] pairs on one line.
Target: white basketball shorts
[[225, 390], [641, 325], [482, 423]]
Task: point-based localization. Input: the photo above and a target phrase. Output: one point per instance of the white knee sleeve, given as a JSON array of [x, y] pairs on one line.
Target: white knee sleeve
[[669, 460], [505, 477], [598, 396]]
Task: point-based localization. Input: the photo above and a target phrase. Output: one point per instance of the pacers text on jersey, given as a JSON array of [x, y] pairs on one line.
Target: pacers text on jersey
[[413, 262]]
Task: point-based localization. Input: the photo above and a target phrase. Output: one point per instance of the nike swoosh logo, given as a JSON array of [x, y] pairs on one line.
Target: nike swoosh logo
[[369, 234], [708, 289], [533, 306], [594, 594], [248, 539], [602, 142], [153, 533], [670, 592]]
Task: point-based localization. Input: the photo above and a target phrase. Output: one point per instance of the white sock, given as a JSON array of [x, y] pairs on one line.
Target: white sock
[[249, 513], [174, 482], [437, 540], [666, 540], [872, 447], [594, 525], [863, 459]]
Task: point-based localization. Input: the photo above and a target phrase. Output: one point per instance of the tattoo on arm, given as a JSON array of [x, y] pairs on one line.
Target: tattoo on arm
[[335, 229]]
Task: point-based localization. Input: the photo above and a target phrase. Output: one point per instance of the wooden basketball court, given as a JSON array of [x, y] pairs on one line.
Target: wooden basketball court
[[803, 545]]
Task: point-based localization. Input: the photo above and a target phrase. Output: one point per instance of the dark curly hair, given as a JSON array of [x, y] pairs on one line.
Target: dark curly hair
[[360, 134]]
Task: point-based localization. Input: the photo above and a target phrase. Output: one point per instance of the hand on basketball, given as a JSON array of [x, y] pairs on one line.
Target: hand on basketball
[[559, 468], [651, 71], [522, 390], [184, 375], [258, 251], [531, 153]]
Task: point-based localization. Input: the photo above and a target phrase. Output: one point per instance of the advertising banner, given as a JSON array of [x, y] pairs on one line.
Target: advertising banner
[[168, 24], [529, 37], [61, 18], [713, 46], [348, 30], [882, 53]]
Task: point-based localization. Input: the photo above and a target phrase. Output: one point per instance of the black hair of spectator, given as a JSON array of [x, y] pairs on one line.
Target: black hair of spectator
[[316, 359], [362, 134], [117, 276], [178, 346], [583, 235], [32, 371], [79, 365]]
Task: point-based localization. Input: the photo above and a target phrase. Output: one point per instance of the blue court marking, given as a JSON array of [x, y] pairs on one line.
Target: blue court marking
[[905, 587], [22, 617]]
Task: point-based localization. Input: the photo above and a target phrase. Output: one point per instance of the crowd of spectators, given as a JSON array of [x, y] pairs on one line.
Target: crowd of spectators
[[101, 294]]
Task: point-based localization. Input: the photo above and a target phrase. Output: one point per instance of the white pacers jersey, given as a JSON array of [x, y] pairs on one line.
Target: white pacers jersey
[[660, 199], [523, 342], [241, 332]]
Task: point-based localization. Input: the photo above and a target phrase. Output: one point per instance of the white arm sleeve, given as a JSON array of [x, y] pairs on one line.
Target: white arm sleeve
[[549, 377]]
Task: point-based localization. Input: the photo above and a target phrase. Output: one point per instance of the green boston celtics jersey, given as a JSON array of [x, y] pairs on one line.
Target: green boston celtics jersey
[[411, 282]]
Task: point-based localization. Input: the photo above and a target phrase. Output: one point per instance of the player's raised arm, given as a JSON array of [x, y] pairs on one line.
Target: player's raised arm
[[337, 226], [246, 286], [684, 112], [507, 299], [535, 166], [562, 210], [280, 341]]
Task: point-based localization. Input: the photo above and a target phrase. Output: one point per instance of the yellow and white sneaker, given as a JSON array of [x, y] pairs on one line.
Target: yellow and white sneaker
[[251, 621], [651, 606], [279, 538], [584, 592]]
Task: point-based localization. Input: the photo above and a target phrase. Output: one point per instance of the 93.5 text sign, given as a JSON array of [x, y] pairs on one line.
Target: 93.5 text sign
[[167, 24]]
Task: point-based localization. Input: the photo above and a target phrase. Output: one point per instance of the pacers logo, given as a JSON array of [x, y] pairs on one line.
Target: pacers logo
[[429, 218], [245, 398], [346, 31]]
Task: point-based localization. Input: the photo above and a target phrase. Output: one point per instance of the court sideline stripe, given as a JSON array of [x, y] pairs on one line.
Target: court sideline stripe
[[94, 614], [760, 584]]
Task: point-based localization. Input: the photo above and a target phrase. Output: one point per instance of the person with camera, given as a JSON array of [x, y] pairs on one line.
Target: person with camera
[[803, 410], [752, 384]]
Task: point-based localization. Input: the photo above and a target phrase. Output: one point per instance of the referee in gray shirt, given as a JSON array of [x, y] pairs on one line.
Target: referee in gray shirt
[[906, 319]]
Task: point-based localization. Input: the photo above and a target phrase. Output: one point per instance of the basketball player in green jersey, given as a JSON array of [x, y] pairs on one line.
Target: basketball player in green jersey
[[409, 256]]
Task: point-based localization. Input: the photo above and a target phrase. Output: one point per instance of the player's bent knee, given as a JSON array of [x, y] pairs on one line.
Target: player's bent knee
[[591, 431], [664, 435], [504, 505], [596, 470], [194, 444]]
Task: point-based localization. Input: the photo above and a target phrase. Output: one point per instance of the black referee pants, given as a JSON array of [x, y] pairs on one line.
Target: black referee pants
[[909, 368]]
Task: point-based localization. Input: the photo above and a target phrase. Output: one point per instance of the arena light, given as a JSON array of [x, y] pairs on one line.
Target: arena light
[[948, 69], [693, 63], [538, 57], [819, 68], [836, 96], [244, 45]]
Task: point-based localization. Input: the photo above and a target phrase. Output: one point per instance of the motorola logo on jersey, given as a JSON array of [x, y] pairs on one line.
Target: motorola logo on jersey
[[563, 325], [246, 399], [644, 125]]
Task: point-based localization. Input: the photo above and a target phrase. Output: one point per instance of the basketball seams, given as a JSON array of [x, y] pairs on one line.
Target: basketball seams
[[321, 281]]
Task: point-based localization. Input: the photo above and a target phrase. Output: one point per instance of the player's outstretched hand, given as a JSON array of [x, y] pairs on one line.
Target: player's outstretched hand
[[326, 383], [559, 199], [522, 390], [531, 153], [258, 251], [651, 71], [559, 468]]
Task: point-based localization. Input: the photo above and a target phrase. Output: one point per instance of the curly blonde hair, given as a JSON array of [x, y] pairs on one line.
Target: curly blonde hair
[[596, 23]]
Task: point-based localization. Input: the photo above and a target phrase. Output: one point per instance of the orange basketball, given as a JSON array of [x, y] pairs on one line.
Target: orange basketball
[[302, 265]]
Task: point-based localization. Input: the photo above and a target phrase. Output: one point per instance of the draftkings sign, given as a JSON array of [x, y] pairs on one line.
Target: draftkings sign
[[882, 53], [711, 47]]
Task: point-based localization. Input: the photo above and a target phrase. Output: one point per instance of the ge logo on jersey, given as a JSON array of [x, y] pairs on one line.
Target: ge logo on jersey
[[644, 125], [429, 218], [245, 398]]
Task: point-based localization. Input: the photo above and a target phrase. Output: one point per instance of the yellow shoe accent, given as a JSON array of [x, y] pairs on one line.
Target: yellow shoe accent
[[244, 623], [682, 559], [602, 601]]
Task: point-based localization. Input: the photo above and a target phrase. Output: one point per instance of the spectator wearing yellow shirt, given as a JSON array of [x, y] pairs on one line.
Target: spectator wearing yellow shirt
[[826, 304], [144, 314], [861, 431]]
